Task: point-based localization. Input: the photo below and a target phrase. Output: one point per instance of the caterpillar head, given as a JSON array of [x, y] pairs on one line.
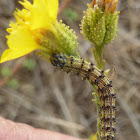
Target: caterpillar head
[[58, 60]]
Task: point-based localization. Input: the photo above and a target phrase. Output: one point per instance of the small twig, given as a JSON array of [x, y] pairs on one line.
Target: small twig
[[63, 6], [14, 70], [93, 3], [41, 116]]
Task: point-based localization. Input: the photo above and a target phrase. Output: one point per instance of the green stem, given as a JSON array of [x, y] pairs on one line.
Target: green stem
[[98, 103], [98, 55]]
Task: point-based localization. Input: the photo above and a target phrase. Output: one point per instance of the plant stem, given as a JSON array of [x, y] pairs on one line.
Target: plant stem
[[98, 55], [98, 103]]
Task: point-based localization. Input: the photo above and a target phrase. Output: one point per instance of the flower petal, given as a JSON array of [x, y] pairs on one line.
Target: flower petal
[[52, 6], [20, 43], [39, 15], [10, 54]]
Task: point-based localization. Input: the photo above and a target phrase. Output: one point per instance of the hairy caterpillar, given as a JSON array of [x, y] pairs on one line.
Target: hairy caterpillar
[[96, 77]]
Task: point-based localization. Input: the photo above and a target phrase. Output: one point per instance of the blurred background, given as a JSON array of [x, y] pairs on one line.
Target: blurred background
[[34, 92]]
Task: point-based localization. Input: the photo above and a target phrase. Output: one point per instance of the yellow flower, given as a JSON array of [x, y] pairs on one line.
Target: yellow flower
[[31, 24]]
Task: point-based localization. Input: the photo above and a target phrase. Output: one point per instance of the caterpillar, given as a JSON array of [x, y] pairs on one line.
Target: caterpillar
[[96, 77]]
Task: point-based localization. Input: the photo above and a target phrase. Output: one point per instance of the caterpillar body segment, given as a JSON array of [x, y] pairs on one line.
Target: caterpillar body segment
[[96, 77]]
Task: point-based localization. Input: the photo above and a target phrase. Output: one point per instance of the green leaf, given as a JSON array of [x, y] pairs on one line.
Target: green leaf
[[29, 64], [5, 71], [13, 83], [70, 14]]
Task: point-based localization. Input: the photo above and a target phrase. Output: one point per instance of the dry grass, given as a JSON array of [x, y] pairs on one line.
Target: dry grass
[[50, 99]]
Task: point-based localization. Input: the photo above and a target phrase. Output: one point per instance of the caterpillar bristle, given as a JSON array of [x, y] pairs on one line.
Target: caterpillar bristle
[[82, 64], [109, 129], [96, 77], [91, 64], [68, 71], [102, 71], [108, 137], [106, 87], [101, 76], [71, 61], [84, 78], [92, 83], [108, 107], [109, 120]]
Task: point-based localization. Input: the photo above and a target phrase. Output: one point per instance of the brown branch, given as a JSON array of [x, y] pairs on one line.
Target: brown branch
[[93, 3], [14, 70], [63, 6]]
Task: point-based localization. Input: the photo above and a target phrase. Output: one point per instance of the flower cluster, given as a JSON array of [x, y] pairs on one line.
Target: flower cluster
[[37, 28]]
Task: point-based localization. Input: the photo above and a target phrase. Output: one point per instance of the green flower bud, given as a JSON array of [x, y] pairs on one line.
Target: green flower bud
[[99, 25], [111, 27], [67, 39], [61, 40]]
